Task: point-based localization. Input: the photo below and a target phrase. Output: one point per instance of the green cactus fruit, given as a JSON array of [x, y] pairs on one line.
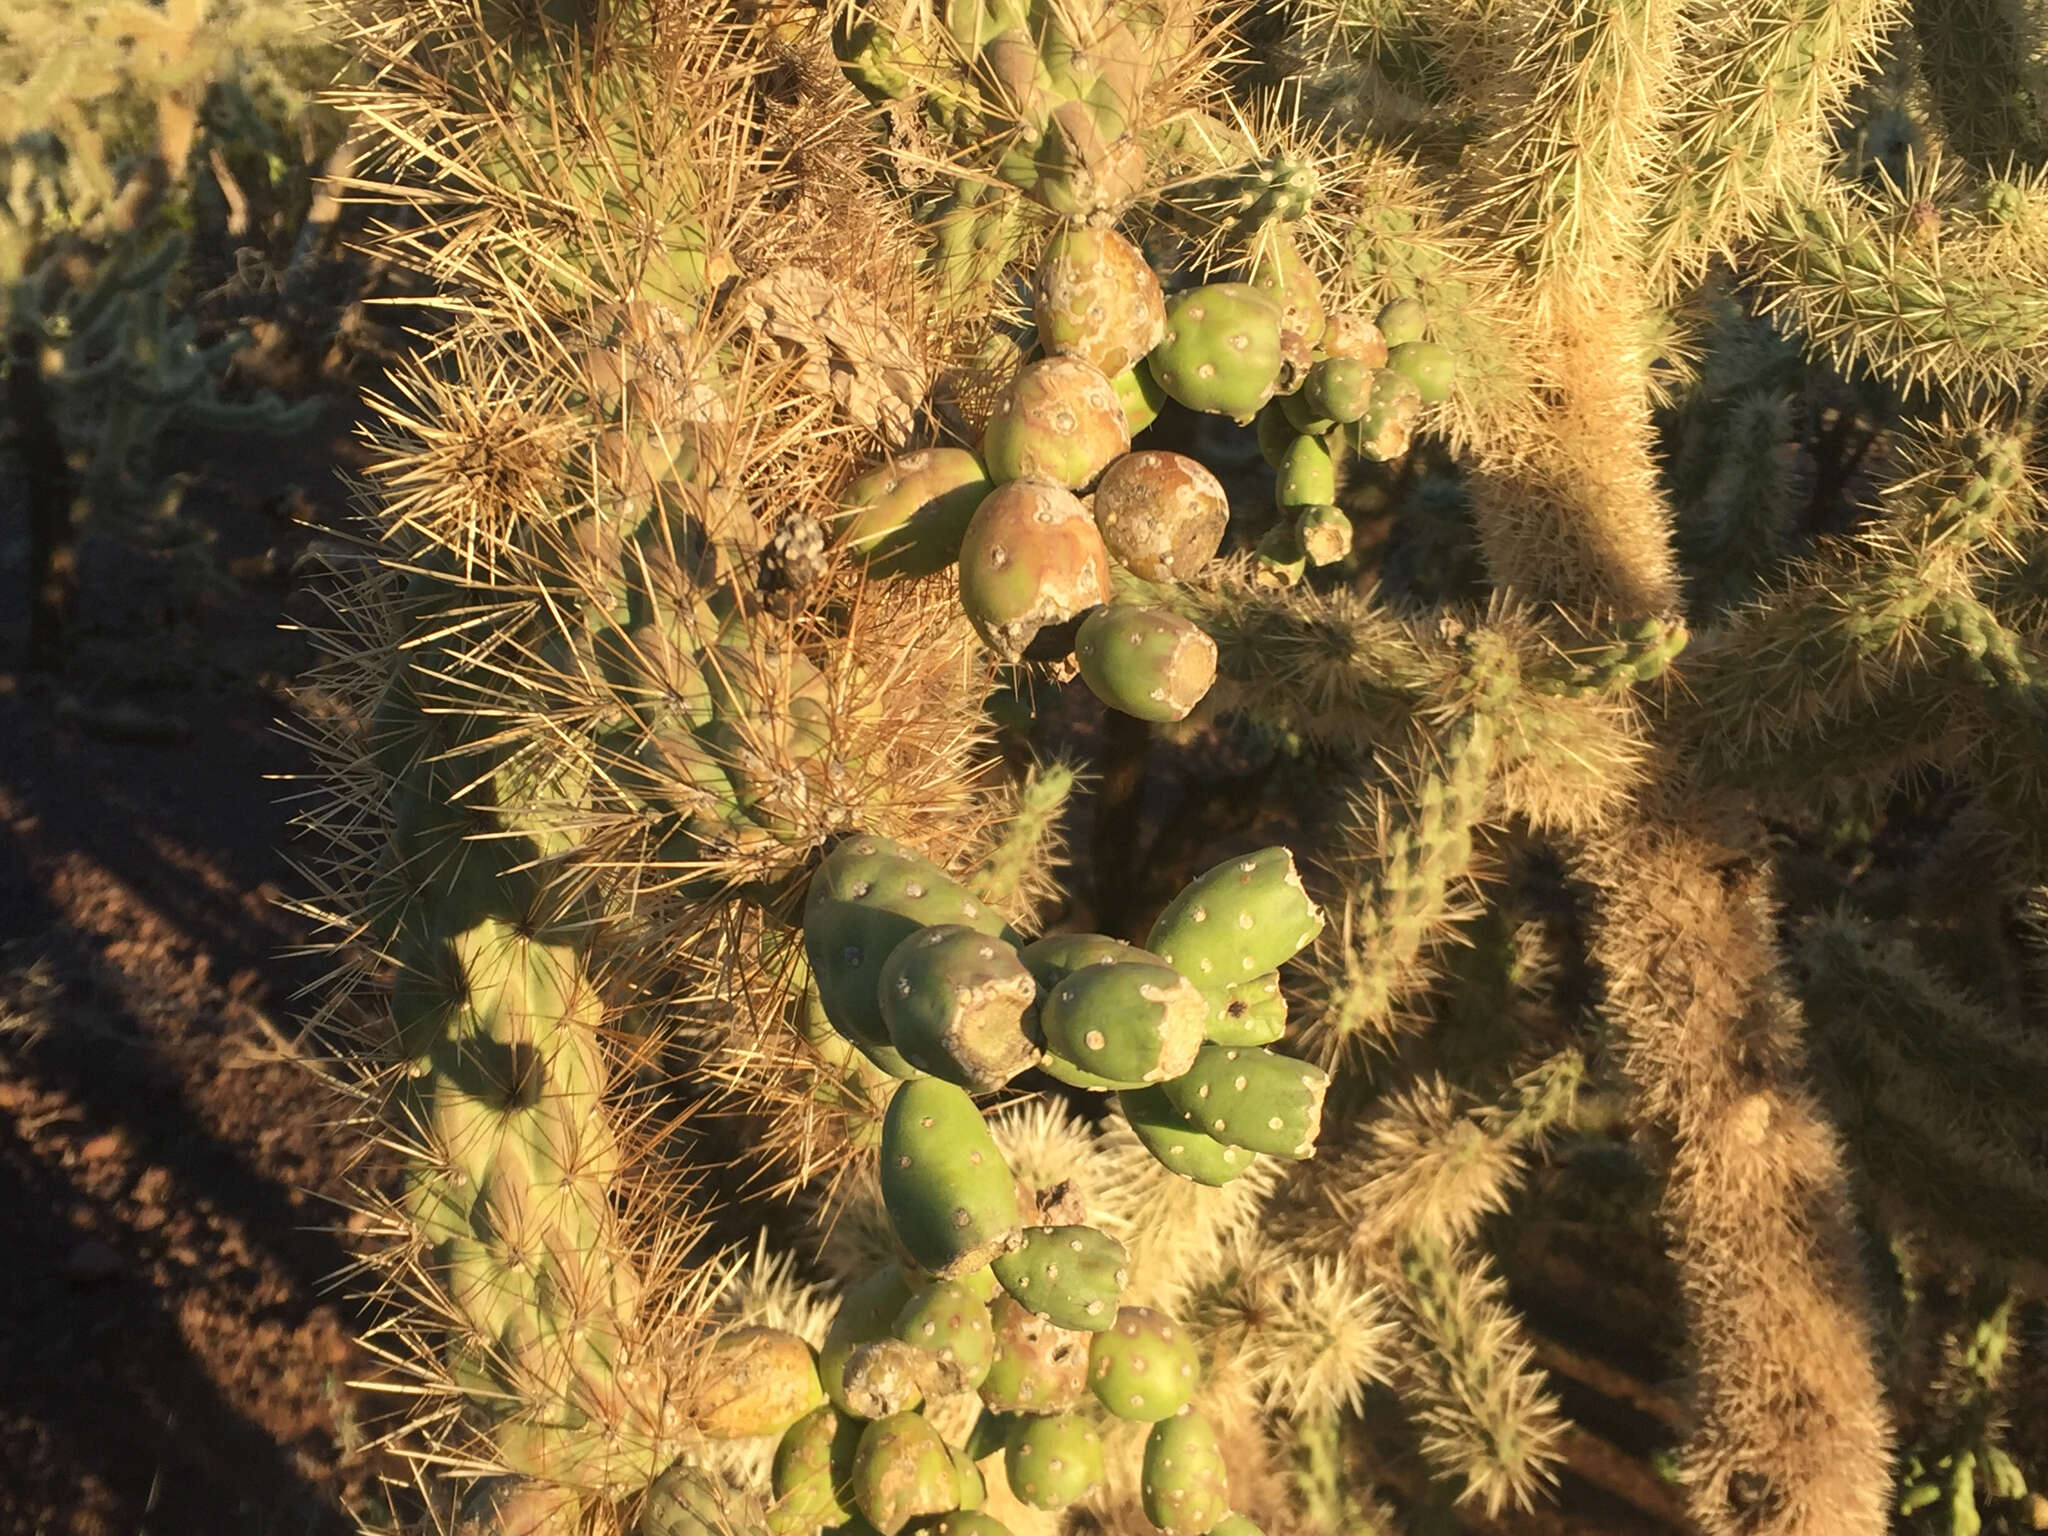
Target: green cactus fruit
[[1308, 474], [1069, 1275], [1185, 1487], [1059, 421], [1429, 367], [1032, 560], [1039, 1367], [685, 1501], [946, 1319], [1387, 429], [866, 1314], [1095, 298], [968, 1522], [950, 1197], [1353, 336], [1324, 533], [885, 1376], [1339, 388], [901, 1471], [1178, 1143], [1221, 350], [1148, 662], [1057, 956], [1302, 418], [1402, 321], [969, 1489], [1161, 514], [960, 1005], [1250, 1097], [1248, 1012], [1245, 916], [1140, 395], [868, 896], [761, 1381], [1280, 271], [813, 1473], [1125, 1024], [981, 1284], [907, 517], [1235, 1525], [1144, 1367], [1279, 560], [1053, 1459], [1276, 430]]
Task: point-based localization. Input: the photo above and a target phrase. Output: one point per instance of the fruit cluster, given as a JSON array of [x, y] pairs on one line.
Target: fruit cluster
[[1058, 500]]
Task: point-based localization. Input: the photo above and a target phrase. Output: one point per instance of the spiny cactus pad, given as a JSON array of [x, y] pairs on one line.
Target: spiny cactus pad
[[1253, 1098], [1032, 560], [960, 1005], [1144, 1367], [950, 1197], [1071, 1276], [1185, 1487], [1052, 1460]]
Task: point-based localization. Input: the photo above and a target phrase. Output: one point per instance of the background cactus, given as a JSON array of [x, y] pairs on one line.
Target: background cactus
[[1626, 712]]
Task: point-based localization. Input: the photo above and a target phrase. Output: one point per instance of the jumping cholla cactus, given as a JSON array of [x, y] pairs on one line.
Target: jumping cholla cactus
[[1584, 454]]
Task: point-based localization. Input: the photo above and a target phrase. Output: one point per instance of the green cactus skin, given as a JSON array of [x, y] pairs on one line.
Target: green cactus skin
[[1143, 1368], [1280, 560], [981, 1284], [1059, 420], [1402, 321], [812, 1477], [1387, 429], [1234, 1524], [1429, 367], [1303, 418], [867, 897], [901, 1471], [868, 1313], [1052, 1460], [1353, 336], [1148, 662], [907, 517], [1281, 273], [960, 1005], [1057, 956], [1140, 395], [1039, 1367], [885, 1376], [950, 1196], [1221, 351], [1095, 297], [948, 1320], [1161, 514], [1253, 1098], [762, 1380], [966, 1522], [1248, 1012], [1324, 533], [1071, 1276], [1180, 1145], [1125, 1024], [1237, 920], [1339, 389], [969, 1489], [1032, 559], [1185, 1488], [683, 1501], [1276, 429], [1308, 474]]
